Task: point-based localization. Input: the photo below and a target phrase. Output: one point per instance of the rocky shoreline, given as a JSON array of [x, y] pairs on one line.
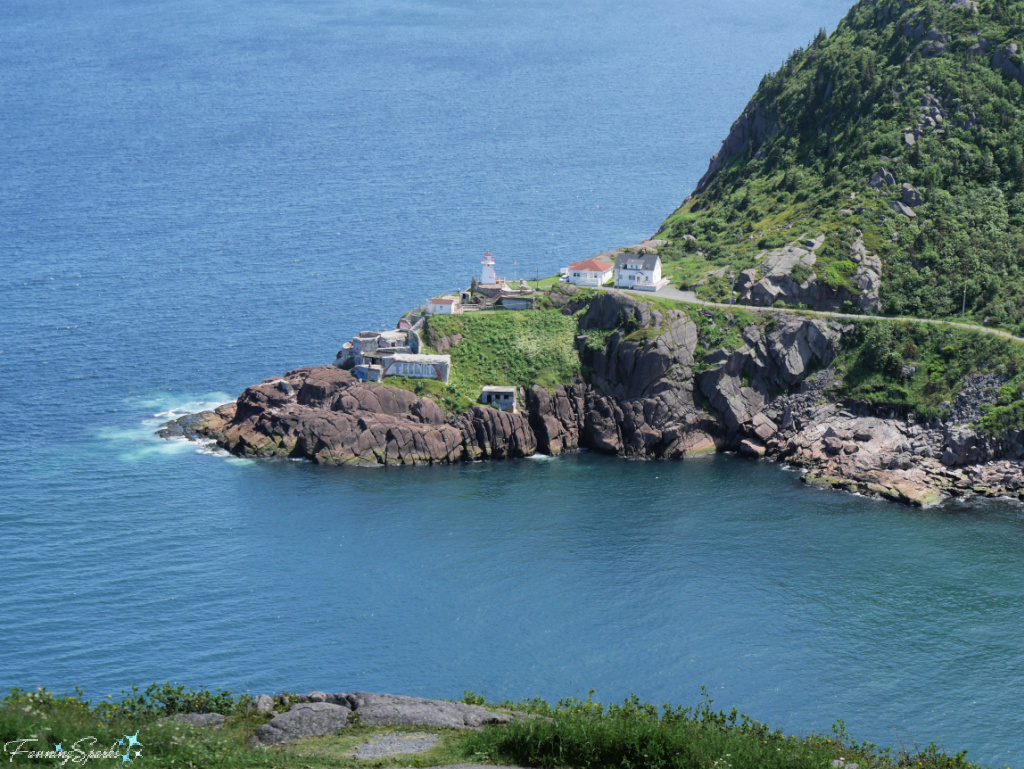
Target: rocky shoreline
[[651, 391]]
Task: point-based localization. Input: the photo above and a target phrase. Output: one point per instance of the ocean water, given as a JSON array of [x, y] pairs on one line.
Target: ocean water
[[195, 196]]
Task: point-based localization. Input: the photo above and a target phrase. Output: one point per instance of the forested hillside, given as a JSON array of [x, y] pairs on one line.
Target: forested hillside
[[898, 136]]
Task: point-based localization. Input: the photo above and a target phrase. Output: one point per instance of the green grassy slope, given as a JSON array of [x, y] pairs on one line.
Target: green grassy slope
[[499, 347], [837, 112]]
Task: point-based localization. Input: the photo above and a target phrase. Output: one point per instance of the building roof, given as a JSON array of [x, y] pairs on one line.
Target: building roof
[[498, 389], [590, 264], [413, 358], [646, 261], [442, 300]]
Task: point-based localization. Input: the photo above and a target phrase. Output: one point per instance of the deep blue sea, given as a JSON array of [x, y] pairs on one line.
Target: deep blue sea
[[195, 196]]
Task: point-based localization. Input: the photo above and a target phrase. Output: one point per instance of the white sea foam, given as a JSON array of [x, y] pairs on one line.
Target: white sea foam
[[167, 406], [140, 442], [210, 447]]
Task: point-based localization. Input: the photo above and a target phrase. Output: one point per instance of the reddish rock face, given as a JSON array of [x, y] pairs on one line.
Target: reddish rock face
[[326, 415], [643, 398]]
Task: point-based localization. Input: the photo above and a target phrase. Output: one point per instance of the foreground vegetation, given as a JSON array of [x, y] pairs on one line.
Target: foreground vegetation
[[574, 733], [76, 724], [586, 735], [840, 110]]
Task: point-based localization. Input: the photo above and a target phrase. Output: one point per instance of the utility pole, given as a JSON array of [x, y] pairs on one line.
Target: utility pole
[[963, 309]]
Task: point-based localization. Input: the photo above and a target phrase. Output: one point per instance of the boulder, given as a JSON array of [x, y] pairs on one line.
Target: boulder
[[306, 719], [881, 178], [911, 197], [833, 445], [262, 704], [397, 710], [902, 208], [764, 428], [751, 448], [1003, 60]]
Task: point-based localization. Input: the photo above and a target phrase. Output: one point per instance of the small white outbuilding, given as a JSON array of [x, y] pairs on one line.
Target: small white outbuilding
[[443, 305]]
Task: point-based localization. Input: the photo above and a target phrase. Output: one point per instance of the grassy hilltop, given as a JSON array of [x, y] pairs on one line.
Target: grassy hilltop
[[930, 92]]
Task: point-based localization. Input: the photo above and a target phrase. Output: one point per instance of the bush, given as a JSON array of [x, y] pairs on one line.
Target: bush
[[585, 735]]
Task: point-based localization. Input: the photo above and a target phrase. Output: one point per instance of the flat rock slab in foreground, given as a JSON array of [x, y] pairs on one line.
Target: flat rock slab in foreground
[[330, 714], [396, 710], [213, 720], [396, 745], [307, 719], [473, 766]]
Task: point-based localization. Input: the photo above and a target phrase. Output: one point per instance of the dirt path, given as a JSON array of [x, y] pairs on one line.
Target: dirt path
[[689, 297]]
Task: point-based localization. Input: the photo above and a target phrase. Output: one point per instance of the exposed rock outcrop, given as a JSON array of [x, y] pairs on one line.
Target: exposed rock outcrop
[[394, 709], [911, 197], [332, 418], [881, 178], [852, 448], [787, 275], [318, 714], [651, 392], [307, 719], [752, 129], [1006, 60], [902, 208]]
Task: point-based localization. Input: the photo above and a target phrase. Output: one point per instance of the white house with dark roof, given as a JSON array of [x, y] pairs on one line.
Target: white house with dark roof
[[639, 271], [443, 305], [589, 272]]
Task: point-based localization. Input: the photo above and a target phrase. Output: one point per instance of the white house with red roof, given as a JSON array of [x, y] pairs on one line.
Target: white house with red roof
[[589, 272], [443, 305]]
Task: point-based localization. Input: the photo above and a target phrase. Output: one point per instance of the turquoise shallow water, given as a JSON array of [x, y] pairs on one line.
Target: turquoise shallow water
[[196, 196]]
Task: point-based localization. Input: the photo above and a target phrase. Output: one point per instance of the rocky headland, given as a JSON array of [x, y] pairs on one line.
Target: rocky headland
[[862, 177], [652, 386]]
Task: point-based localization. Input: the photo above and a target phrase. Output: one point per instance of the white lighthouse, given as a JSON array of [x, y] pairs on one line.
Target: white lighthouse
[[487, 276]]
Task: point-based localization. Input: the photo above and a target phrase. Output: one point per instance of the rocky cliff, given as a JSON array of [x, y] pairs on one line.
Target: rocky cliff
[[651, 389]]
